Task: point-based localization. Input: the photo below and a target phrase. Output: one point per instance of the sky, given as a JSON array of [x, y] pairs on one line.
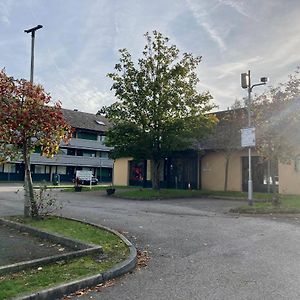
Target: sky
[[79, 42]]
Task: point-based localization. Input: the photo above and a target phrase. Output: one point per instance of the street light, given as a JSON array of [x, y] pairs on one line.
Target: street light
[[246, 84], [32, 31], [27, 193]]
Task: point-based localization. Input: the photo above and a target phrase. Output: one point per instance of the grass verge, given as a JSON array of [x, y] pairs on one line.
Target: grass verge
[[288, 204], [28, 281], [262, 201], [86, 188], [149, 194]]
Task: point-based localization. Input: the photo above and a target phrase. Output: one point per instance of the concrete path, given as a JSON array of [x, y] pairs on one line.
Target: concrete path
[[197, 250]]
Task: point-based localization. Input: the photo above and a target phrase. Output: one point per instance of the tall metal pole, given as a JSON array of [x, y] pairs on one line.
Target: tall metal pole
[[250, 183], [32, 56], [246, 83], [32, 31], [28, 180]]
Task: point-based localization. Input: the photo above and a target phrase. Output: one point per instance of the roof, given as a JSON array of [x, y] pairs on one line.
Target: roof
[[83, 120], [227, 132]]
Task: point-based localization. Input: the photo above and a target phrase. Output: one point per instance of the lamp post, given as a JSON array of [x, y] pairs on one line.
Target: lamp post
[[28, 182], [32, 31], [246, 84]]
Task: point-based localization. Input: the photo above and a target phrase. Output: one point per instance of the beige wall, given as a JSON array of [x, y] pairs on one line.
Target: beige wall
[[121, 171], [289, 179], [213, 171]]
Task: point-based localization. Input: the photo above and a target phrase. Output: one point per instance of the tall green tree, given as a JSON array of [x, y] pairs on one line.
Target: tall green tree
[[159, 109], [276, 116], [27, 121]]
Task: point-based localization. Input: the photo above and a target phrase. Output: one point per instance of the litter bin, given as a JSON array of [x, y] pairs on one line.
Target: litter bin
[[55, 179]]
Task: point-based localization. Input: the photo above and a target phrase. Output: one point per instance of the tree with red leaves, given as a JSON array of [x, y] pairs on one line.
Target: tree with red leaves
[[28, 119]]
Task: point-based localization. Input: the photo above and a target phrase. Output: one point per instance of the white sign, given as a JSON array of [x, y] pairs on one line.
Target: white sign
[[248, 137], [84, 175]]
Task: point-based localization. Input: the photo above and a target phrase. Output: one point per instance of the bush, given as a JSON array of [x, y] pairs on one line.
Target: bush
[[46, 202]]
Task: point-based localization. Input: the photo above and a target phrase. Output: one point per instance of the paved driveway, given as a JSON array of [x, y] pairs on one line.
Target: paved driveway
[[197, 251]]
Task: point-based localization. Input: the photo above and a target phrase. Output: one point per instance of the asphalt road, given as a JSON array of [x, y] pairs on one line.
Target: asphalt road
[[197, 250]]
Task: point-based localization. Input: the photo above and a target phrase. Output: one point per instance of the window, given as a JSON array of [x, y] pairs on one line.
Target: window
[[136, 170], [61, 170], [87, 135], [297, 163], [37, 149], [88, 153], [63, 151], [39, 169], [70, 151], [9, 168], [104, 154]]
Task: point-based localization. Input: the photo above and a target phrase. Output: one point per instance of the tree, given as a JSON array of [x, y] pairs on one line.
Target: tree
[[159, 109], [276, 116], [27, 122]]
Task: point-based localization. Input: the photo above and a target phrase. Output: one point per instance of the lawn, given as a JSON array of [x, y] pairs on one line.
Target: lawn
[[150, 194], [262, 201], [288, 204], [86, 188], [53, 274]]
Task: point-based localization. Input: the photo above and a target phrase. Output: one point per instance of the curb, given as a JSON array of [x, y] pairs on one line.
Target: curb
[[121, 268]]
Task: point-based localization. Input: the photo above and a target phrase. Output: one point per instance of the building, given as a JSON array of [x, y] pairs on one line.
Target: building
[[85, 151], [203, 166]]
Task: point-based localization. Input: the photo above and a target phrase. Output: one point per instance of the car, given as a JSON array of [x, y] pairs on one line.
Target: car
[[87, 182]]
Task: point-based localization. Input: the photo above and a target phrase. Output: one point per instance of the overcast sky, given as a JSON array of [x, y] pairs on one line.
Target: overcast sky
[[79, 43]]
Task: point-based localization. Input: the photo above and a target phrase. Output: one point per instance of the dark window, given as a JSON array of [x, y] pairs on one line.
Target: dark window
[[87, 135], [37, 149], [71, 152], [63, 151]]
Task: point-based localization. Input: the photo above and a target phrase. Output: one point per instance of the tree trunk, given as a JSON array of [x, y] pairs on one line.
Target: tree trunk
[[30, 207], [275, 196], [155, 170], [226, 172], [268, 175]]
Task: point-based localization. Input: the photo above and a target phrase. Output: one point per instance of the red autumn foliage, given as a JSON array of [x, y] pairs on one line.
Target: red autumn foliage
[[28, 119], [27, 116]]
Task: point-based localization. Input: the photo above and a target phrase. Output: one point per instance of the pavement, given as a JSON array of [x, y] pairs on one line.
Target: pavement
[[18, 247], [197, 249]]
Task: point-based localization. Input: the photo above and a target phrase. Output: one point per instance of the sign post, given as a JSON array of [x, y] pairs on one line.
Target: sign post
[[248, 141], [248, 137]]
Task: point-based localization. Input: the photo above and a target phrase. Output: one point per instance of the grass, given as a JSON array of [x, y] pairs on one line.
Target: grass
[[80, 231], [262, 201], [33, 280], [86, 188], [149, 194], [288, 204]]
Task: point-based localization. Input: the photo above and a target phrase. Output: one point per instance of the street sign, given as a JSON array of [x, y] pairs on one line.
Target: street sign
[[248, 137], [84, 175]]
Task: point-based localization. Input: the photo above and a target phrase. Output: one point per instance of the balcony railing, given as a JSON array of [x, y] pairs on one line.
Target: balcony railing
[[69, 160], [85, 144]]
